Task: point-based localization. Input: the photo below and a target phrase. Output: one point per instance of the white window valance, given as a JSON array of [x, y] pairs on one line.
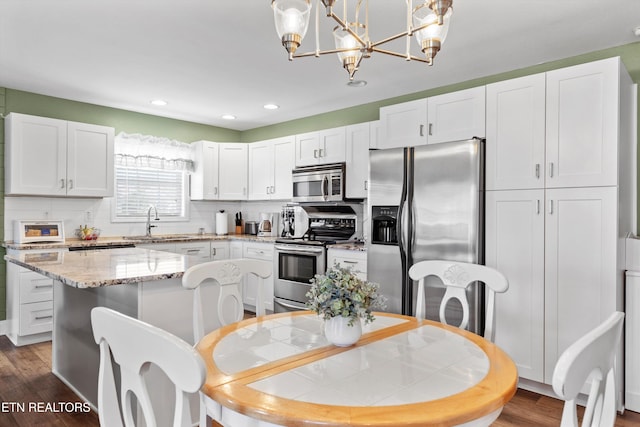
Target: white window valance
[[136, 150]]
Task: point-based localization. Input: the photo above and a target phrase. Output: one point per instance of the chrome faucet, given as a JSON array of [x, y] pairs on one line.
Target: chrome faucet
[[157, 218]]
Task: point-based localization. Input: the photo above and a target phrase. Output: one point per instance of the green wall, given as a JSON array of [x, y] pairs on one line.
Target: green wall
[[132, 122]]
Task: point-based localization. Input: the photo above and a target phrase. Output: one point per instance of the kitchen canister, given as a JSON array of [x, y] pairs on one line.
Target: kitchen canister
[[222, 223]]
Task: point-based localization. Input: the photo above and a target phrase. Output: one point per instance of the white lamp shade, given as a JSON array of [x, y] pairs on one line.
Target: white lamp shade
[[291, 16], [345, 40], [425, 16]]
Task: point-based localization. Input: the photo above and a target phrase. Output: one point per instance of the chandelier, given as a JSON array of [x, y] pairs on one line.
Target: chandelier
[[428, 21]]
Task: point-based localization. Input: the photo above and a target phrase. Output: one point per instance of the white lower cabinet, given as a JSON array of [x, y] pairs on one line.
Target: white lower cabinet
[[219, 250], [29, 302], [560, 255], [261, 251], [355, 260], [632, 343]]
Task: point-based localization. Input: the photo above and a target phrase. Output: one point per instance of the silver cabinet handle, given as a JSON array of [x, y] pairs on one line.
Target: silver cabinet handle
[[315, 154], [551, 170], [366, 185], [267, 189], [70, 184], [346, 261], [244, 191], [213, 252], [43, 317], [550, 207], [50, 285], [538, 206], [273, 189], [215, 190], [62, 183], [193, 251], [430, 128], [537, 170], [320, 152], [421, 130]]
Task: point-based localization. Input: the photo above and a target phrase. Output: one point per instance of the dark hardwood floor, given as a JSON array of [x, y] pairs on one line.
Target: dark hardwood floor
[[26, 378]]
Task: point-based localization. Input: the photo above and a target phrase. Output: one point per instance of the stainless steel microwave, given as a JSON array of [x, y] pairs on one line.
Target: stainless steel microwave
[[324, 183]]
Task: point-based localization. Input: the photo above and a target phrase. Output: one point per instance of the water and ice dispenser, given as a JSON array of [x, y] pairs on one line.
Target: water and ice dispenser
[[384, 225]]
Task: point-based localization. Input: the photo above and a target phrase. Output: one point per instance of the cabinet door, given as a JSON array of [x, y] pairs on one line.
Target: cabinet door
[[582, 125], [516, 133], [403, 124], [261, 169], [284, 154], [332, 145], [580, 265], [456, 116], [36, 150], [357, 164], [307, 146], [515, 247], [200, 249], [233, 173], [374, 134], [90, 160], [204, 180], [262, 251], [219, 250]]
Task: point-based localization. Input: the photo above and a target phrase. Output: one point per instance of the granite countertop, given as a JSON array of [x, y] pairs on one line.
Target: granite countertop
[[116, 241], [96, 268]]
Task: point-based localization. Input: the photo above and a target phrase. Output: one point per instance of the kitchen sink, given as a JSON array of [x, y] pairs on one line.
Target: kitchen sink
[[159, 238]]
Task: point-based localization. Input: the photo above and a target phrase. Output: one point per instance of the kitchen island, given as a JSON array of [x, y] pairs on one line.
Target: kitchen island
[[141, 283]]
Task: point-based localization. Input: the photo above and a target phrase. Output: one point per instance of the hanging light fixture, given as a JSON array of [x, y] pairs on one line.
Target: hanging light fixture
[[429, 21]]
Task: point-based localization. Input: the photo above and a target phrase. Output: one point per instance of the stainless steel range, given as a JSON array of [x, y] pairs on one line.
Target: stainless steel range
[[298, 260]]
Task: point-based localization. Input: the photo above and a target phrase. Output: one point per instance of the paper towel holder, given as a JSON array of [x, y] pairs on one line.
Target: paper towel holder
[[222, 223]]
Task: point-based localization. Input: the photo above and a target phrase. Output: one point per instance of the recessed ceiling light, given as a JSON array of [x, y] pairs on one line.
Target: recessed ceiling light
[[228, 117], [357, 83], [271, 106], [159, 102]]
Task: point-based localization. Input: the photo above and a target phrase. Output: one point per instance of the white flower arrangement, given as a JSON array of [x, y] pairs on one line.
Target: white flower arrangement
[[339, 292]]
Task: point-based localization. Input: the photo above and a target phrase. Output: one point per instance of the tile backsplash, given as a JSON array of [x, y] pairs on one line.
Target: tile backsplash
[[97, 213]]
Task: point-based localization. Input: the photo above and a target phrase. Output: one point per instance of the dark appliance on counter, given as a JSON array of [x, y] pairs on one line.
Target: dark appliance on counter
[[426, 202], [298, 259]]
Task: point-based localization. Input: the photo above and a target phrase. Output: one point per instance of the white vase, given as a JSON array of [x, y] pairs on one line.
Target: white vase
[[338, 331]]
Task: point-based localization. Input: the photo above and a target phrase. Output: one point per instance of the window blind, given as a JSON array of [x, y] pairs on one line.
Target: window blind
[[138, 188]]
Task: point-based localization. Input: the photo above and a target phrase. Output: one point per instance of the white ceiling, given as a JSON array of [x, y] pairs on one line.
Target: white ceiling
[[208, 58]]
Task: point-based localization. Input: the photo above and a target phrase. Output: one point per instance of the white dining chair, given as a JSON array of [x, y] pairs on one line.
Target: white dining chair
[[221, 280], [590, 357], [134, 345], [457, 276]]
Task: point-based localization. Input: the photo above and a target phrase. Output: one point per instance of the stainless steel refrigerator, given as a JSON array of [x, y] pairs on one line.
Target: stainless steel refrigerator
[[424, 203]]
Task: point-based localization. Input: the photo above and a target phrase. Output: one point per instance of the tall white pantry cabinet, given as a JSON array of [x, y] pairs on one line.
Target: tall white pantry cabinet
[[559, 204]]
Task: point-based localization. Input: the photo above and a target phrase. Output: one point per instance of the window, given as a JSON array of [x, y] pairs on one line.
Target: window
[[151, 171], [139, 188]]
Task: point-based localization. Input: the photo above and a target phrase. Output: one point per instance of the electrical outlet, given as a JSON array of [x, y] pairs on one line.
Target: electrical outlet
[[88, 216]]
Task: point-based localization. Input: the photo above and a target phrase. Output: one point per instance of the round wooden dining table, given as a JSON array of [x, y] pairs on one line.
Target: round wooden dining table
[[279, 369]]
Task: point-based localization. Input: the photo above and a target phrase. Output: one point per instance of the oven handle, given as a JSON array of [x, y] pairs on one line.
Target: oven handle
[[297, 249], [284, 304]]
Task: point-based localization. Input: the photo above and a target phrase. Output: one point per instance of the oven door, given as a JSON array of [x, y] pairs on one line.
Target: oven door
[[295, 266]]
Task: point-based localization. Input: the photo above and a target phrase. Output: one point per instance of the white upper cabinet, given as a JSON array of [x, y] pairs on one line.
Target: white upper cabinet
[[357, 164], [204, 180], [403, 125], [50, 157], [449, 117], [233, 171], [456, 116], [516, 133], [221, 171], [583, 110], [321, 147], [270, 165]]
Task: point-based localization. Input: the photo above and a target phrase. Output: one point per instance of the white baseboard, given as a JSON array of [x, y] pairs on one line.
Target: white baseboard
[[4, 327]]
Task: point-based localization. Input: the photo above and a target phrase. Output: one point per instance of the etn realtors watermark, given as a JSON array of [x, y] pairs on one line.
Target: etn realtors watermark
[[42, 407]]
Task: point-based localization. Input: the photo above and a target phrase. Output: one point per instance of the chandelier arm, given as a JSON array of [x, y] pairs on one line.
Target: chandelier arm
[[390, 39], [401, 55], [323, 52], [346, 27]]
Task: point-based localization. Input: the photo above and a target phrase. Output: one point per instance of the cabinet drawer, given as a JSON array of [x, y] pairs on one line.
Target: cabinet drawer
[[35, 287], [356, 261], [36, 318], [258, 251]]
